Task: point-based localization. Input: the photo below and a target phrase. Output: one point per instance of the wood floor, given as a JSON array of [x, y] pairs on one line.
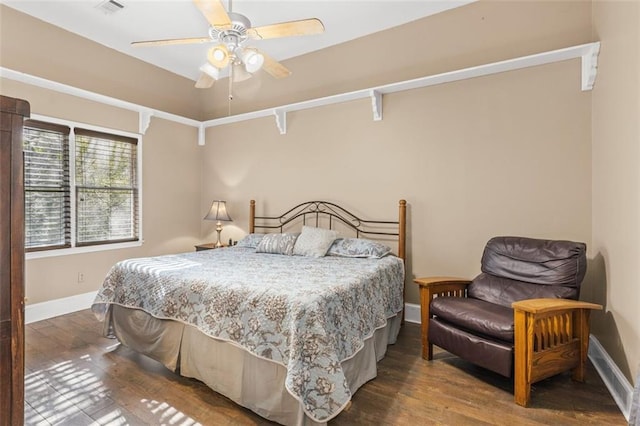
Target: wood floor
[[76, 377]]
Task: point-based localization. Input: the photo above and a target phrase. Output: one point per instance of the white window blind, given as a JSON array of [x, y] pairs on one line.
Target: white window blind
[[46, 186], [106, 188]]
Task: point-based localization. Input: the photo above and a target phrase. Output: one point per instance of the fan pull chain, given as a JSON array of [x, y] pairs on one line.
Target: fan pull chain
[[230, 88]]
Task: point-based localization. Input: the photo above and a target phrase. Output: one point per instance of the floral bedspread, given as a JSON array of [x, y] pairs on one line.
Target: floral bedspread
[[308, 314]]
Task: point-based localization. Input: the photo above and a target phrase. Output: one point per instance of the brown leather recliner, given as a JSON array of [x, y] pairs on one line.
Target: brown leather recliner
[[519, 318]]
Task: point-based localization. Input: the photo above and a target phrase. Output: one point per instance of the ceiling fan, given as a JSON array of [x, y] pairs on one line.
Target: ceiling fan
[[230, 31]]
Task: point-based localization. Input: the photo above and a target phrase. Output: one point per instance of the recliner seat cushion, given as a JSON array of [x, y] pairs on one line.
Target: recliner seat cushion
[[476, 316], [535, 261], [491, 354], [504, 291]]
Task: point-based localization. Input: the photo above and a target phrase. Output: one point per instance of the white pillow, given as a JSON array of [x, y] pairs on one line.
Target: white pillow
[[251, 240], [277, 244], [314, 242], [358, 247]]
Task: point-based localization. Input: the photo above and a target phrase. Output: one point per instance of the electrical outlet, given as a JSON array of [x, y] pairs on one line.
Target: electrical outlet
[[80, 277]]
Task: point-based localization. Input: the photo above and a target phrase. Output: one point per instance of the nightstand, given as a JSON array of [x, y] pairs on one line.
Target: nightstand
[[207, 246]]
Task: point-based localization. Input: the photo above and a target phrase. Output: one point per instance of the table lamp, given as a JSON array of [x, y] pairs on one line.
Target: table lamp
[[218, 212]]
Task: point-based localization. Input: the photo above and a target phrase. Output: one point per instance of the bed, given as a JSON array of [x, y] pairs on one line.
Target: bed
[[289, 336]]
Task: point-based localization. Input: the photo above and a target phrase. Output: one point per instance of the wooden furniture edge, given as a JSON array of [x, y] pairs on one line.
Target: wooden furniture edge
[[436, 281], [539, 306], [15, 106], [402, 229], [14, 111], [252, 216]]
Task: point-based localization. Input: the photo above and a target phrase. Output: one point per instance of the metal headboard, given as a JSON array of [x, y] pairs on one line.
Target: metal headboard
[[313, 212]]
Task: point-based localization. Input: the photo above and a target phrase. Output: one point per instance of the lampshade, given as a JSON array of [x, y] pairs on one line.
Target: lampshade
[[219, 56], [218, 212], [253, 60]]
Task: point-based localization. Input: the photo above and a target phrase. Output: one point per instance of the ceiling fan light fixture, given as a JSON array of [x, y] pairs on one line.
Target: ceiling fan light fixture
[[253, 60], [219, 56], [239, 73], [229, 31], [210, 70]]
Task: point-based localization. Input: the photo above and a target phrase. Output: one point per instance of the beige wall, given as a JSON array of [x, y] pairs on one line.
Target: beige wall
[[37, 48], [506, 154], [616, 181], [171, 193]]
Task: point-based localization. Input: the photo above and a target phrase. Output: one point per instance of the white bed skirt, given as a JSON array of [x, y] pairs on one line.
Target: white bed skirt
[[250, 381]]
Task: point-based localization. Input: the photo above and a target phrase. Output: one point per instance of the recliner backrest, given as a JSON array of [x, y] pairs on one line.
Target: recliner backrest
[[517, 268]]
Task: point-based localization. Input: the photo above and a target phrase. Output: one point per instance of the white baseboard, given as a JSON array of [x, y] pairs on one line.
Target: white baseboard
[[57, 307], [412, 313], [618, 385]]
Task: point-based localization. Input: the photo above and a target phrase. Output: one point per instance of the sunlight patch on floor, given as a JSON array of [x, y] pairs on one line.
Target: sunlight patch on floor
[[168, 414], [62, 390], [113, 418], [74, 388]]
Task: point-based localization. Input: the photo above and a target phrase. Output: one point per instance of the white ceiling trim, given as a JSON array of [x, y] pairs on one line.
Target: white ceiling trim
[[587, 52]]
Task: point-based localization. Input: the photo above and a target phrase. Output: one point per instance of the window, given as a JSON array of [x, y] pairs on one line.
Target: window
[[106, 188], [46, 186], [81, 187]]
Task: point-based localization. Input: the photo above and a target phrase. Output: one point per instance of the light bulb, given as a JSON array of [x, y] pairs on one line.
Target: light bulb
[[219, 56]]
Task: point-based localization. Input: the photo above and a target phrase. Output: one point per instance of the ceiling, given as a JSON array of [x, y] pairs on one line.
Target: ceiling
[[344, 20]]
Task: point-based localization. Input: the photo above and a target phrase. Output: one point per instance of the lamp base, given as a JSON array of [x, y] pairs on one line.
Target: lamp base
[[218, 230]]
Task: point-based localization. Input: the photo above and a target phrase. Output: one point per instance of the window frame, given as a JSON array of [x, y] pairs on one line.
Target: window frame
[[75, 249]]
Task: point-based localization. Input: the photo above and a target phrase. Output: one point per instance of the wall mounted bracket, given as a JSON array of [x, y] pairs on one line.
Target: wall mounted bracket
[[376, 104], [590, 66], [281, 120], [144, 119]]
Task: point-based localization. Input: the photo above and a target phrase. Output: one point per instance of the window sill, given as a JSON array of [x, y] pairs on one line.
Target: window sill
[[80, 250]]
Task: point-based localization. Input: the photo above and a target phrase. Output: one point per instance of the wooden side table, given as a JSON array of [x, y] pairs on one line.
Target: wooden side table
[[207, 246]]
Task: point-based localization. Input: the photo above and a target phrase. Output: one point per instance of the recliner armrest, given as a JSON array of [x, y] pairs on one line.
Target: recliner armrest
[[429, 288], [439, 282], [441, 286], [540, 306], [550, 336]]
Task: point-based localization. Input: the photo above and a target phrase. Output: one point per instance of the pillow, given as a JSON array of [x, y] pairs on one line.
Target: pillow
[[277, 244], [314, 242], [251, 240], [358, 247]]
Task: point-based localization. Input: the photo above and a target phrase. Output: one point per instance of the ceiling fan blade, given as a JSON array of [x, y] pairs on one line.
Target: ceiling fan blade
[[273, 67], [287, 29], [193, 40], [215, 13], [205, 81]]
